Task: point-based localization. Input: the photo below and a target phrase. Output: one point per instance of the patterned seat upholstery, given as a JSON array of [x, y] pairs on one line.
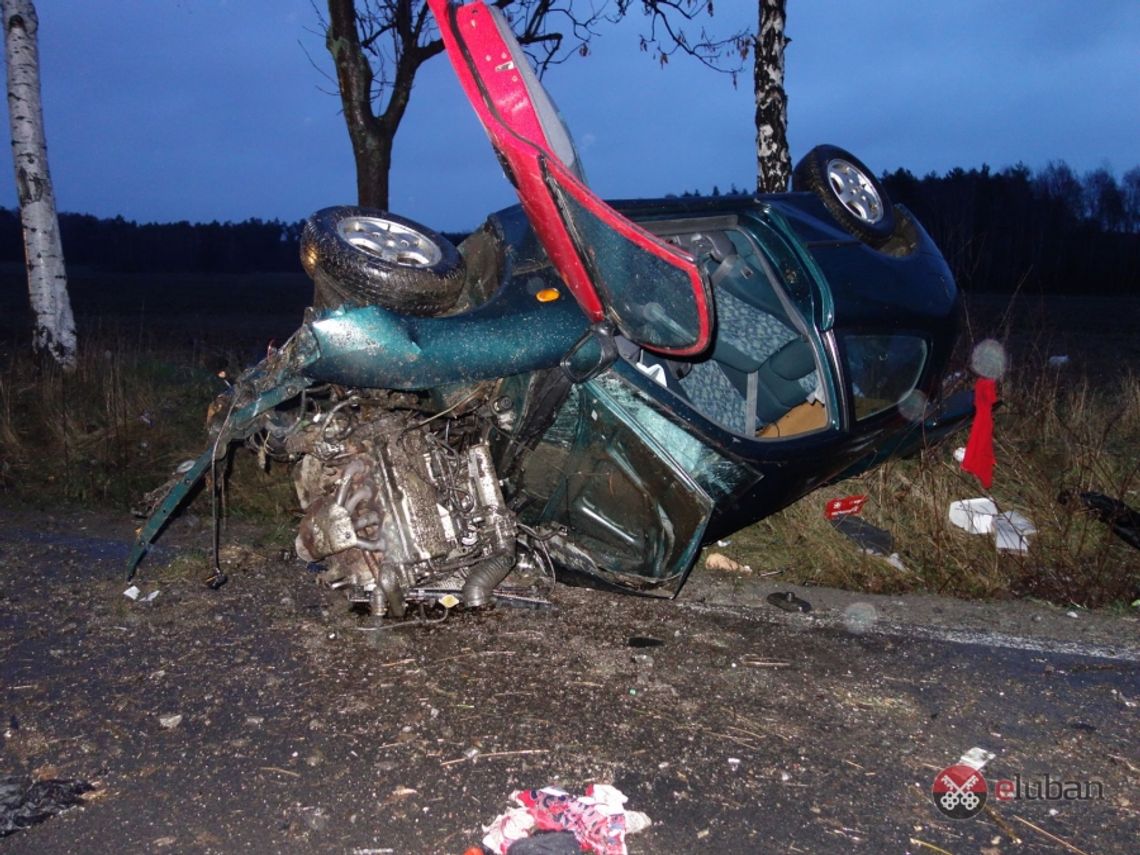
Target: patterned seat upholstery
[[752, 347]]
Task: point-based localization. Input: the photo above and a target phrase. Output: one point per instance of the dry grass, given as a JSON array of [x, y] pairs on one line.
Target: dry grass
[[115, 428]]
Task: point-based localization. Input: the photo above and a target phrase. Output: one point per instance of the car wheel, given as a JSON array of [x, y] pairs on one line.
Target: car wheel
[[849, 191], [359, 256]]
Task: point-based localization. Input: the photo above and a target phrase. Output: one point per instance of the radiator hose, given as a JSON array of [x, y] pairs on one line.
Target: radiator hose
[[483, 578]]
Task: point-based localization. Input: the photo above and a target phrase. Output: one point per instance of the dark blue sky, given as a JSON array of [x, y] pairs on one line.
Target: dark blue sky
[[212, 109]]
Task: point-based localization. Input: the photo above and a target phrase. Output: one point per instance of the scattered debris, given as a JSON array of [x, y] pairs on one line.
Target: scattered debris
[[169, 722], [1012, 531], [974, 515], [871, 539], [1058, 361], [976, 758], [960, 453], [789, 602], [24, 802], [895, 561], [846, 506], [598, 821], [1122, 519], [720, 561], [136, 594], [547, 843]]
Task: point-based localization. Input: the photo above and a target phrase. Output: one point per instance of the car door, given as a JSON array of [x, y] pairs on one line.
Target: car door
[[652, 292]]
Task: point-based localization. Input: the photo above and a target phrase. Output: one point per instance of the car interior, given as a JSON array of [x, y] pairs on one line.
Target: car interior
[[760, 379]]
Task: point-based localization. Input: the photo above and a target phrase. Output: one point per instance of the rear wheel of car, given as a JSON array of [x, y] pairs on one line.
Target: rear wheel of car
[[360, 256], [849, 191]]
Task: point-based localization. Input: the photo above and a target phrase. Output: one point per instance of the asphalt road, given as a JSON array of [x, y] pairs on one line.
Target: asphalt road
[[740, 728]]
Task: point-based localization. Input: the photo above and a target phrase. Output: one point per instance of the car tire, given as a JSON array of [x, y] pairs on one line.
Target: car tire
[[849, 191], [362, 257]]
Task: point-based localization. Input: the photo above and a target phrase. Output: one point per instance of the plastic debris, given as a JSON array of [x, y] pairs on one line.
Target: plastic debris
[[976, 758], [1122, 519], [24, 802], [974, 515], [895, 561], [1058, 361], [871, 539], [598, 820], [960, 453], [1012, 531], [136, 594], [846, 506]]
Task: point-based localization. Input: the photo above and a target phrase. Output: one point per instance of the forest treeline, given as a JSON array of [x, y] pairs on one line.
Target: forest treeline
[[1048, 230]]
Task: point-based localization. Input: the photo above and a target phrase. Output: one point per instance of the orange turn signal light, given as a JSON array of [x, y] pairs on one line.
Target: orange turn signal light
[[548, 295]]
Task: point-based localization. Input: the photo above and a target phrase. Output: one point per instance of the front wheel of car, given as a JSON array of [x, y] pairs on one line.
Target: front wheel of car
[[849, 191], [360, 257]]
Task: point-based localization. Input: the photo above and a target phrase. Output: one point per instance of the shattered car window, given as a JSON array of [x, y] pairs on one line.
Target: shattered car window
[[651, 298]]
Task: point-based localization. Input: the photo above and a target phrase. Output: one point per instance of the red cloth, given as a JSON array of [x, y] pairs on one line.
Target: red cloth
[[979, 460]]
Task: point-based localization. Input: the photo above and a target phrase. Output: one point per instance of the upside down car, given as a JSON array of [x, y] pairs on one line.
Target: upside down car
[[591, 388]]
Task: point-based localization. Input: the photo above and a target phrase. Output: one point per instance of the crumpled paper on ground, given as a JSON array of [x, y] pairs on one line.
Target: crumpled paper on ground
[[598, 820]]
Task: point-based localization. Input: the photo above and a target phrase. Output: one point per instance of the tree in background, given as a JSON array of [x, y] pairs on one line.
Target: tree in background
[[54, 327], [378, 47], [667, 35], [773, 162]]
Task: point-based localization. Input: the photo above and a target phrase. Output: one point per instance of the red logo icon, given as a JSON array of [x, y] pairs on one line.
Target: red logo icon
[[959, 791]]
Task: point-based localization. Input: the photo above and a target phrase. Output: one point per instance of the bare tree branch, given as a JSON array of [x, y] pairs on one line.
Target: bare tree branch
[[378, 47]]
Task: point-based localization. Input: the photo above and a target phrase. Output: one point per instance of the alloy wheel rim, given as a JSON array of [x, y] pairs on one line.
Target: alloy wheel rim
[[390, 241], [855, 190]]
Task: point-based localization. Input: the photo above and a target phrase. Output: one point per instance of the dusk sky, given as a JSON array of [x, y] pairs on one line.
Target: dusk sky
[[163, 110]]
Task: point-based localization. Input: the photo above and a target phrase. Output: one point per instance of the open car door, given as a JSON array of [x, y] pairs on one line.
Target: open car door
[[651, 291]]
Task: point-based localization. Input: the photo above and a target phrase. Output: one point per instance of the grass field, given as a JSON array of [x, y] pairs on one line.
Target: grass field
[[152, 356]]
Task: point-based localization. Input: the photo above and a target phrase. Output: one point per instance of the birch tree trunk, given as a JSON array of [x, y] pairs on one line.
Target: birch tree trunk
[[773, 163], [53, 332]]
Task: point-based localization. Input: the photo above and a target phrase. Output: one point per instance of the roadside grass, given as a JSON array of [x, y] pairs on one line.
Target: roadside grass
[[1072, 427], [118, 426]]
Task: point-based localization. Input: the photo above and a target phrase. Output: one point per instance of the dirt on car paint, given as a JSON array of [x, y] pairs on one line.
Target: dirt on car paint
[[267, 716]]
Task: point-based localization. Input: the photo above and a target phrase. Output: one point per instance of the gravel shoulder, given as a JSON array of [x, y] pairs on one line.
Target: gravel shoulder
[[268, 717]]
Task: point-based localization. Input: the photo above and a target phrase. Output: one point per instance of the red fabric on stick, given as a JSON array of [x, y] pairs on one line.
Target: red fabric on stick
[[979, 460]]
